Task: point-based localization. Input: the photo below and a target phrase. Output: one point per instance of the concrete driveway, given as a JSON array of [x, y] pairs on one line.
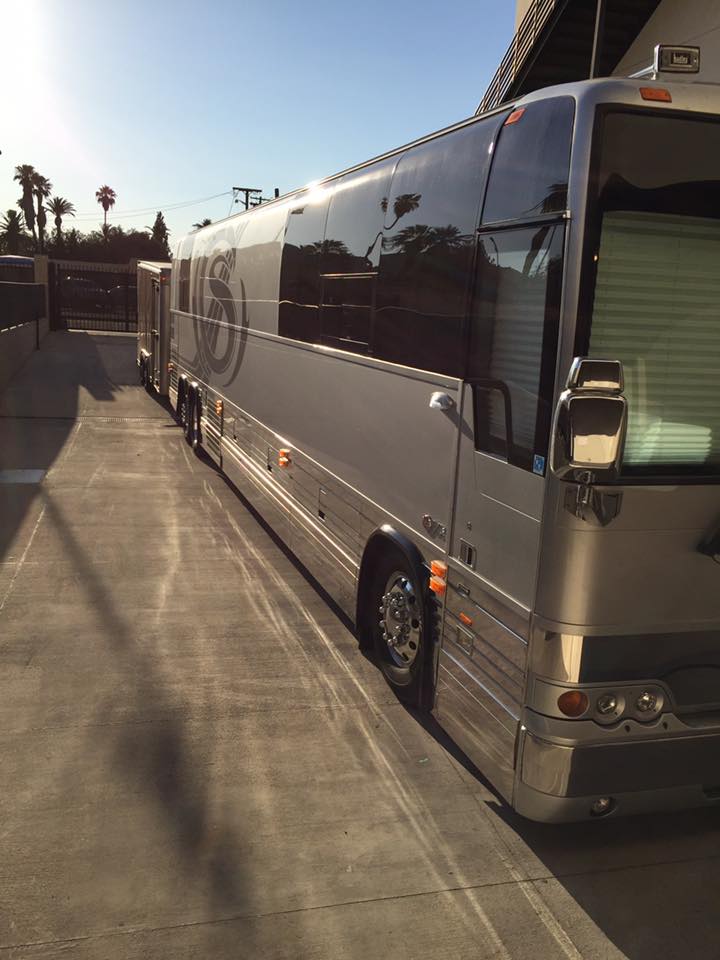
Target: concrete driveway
[[197, 762]]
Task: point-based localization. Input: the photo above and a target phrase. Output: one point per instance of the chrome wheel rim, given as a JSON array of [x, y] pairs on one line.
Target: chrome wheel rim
[[400, 619]]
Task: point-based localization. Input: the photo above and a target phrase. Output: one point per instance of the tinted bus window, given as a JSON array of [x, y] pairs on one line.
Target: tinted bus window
[[355, 220], [298, 310], [531, 162], [427, 250], [184, 274], [514, 333], [351, 252]]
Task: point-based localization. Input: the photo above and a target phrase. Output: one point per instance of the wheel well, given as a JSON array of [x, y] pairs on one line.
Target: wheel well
[[384, 539]]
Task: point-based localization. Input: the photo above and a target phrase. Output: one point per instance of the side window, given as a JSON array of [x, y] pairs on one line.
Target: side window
[[298, 311], [531, 162], [184, 274], [427, 250], [355, 221], [351, 253], [513, 342]]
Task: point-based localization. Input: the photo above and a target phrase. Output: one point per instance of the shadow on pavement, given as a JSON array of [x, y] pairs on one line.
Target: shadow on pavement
[[39, 409], [157, 757]]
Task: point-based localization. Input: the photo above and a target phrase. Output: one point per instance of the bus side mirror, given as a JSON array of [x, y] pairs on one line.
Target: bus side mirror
[[590, 423]]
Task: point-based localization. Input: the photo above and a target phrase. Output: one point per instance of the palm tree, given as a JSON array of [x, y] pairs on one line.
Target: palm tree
[[203, 223], [24, 174], [403, 204], [59, 207], [106, 197], [12, 230], [42, 189]]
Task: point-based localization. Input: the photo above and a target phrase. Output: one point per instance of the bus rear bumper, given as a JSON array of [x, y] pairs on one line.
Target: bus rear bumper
[[556, 783]]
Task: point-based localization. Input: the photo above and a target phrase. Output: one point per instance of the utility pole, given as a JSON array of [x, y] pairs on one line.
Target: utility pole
[[251, 196], [248, 192]]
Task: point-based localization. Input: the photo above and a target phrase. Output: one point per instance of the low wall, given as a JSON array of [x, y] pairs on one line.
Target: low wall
[[23, 324]]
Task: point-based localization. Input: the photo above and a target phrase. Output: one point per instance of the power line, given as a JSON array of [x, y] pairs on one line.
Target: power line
[[145, 211]]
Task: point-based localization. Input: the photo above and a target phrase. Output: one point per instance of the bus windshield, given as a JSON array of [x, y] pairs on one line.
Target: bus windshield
[[653, 280]]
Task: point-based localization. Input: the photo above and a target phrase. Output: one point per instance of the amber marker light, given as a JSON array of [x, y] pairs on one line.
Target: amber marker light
[[438, 569], [464, 618], [218, 408], [171, 367], [284, 459], [438, 585], [656, 93], [515, 116], [573, 703]]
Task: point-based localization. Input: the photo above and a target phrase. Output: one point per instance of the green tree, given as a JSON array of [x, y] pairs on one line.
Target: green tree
[[12, 231], [42, 189], [25, 174], [160, 234], [59, 207], [205, 222], [106, 197]]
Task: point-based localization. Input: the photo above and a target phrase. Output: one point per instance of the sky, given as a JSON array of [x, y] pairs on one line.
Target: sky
[[170, 101]]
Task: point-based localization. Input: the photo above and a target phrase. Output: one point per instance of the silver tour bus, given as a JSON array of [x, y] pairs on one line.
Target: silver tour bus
[[474, 384]]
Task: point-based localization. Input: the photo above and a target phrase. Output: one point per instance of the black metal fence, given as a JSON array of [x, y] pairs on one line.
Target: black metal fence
[[92, 296], [20, 304]]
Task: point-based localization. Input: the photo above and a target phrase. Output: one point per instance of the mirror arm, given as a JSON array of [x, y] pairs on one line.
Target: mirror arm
[[597, 507]]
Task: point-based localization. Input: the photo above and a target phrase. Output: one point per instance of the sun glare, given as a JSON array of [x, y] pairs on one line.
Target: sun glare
[[23, 56]]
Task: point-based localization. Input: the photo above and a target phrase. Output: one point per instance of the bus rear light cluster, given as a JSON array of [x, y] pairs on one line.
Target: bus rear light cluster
[[438, 577], [608, 706]]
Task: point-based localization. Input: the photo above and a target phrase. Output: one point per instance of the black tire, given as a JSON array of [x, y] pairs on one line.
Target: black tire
[[196, 439], [401, 623], [189, 417], [181, 409]]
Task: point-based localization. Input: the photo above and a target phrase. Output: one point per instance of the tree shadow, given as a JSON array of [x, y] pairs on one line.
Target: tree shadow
[[38, 412], [157, 757]]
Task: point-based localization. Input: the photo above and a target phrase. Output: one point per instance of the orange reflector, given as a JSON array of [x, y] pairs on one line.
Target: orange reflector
[[515, 116], [284, 457], [438, 585], [464, 618], [573, 703], [438, 568], [656, 93]]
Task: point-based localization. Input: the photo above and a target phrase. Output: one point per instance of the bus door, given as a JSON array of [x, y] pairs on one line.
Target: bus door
[[495, 538]]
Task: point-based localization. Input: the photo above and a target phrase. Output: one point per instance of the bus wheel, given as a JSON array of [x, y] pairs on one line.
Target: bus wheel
[[181, 410], [399, 628], [196, 414], [188, 420]]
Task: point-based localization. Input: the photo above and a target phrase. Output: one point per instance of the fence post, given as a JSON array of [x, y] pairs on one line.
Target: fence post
[[41, 275]]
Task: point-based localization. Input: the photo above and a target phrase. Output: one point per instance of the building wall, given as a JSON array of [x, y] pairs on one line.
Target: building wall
[[695, 22], [520, 11]]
